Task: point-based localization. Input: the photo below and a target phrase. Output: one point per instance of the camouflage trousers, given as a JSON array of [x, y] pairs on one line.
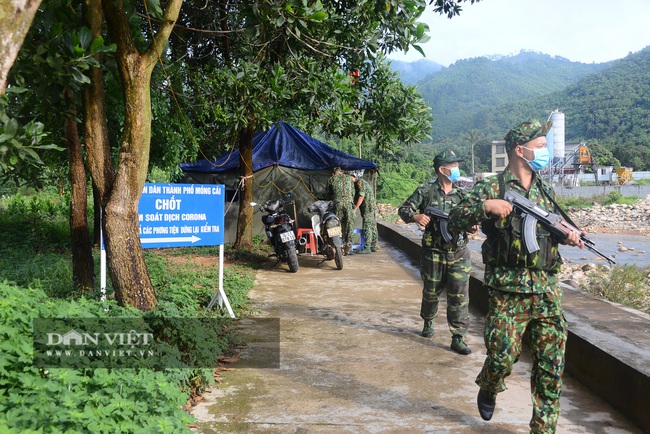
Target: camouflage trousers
[[541, 316], [345, 213], [450, 271], [369, 229]]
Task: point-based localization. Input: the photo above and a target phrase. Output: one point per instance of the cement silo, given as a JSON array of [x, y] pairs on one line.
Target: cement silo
[[558, 133]]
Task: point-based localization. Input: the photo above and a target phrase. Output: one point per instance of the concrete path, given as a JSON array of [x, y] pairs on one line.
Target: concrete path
[[351, 361]]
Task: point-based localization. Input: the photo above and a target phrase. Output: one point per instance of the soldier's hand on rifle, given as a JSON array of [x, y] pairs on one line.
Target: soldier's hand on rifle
[[497, 207], [573, 239], [421, 219]]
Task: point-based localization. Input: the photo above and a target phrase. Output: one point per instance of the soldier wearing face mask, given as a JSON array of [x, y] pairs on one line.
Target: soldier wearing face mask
[[444, 265], [525, 298]]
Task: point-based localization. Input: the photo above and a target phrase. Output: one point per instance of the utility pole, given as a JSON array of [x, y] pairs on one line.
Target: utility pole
[[472, 150]]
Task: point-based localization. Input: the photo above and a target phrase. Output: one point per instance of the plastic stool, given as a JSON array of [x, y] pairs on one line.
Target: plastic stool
[[311, 245], [362, 240]]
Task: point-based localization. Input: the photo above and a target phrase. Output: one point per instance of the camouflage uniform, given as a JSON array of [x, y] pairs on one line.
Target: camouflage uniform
[[340, 189], [368, 210], [442, 265], [524, 295]]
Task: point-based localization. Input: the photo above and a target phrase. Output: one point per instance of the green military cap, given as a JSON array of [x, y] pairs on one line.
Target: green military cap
[[446, 157], [336, 169], [525, 132]]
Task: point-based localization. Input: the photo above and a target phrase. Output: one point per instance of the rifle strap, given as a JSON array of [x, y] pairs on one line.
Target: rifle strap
[[502, 185], [542, 187]]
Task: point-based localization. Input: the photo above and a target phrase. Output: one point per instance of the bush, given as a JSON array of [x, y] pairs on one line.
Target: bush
[[36, 282], [628, 285], [74, 400], [613, 197]]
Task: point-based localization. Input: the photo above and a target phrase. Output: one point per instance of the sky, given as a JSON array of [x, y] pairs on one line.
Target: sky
[[587, 31]]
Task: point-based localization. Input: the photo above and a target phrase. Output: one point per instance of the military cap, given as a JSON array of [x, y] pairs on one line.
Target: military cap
[[336, 169], [446, 157], [525, 132]]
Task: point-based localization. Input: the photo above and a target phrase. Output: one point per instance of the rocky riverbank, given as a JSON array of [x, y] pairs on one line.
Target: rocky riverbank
[[614, 219]]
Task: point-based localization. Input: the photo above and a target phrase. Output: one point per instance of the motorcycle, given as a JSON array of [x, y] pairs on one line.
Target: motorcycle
[[327, 227], [279, 228]]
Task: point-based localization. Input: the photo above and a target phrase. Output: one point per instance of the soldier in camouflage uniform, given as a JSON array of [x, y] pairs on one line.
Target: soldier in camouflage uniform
[[443, 265], [365, 202], [523, 288], [340, 190]]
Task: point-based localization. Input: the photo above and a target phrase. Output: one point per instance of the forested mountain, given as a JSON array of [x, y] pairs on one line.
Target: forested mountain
[[469, 86], [612, 105], [610, 110], [413, 72]]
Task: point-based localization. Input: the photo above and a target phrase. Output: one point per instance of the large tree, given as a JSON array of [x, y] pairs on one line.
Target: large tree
[[120, 194], [50, 72], [290, 60]]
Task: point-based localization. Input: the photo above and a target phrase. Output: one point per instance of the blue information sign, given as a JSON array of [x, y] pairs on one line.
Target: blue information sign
[[179, 215]]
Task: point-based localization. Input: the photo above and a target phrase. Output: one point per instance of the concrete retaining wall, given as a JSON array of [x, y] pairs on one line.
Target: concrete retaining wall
[[608, 348], [640, 191]]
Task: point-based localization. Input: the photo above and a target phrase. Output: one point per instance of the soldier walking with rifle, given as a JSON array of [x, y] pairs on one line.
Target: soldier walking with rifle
[[445, 259], [522, 282]]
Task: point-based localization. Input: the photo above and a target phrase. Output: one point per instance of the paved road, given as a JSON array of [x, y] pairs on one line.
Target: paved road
[[351, 361]]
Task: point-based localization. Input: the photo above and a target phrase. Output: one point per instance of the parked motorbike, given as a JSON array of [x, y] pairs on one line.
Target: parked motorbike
[[279, 228], [327, 227]]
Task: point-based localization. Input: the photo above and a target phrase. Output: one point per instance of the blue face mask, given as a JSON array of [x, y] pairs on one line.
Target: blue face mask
[[454, 174], [542, 157]]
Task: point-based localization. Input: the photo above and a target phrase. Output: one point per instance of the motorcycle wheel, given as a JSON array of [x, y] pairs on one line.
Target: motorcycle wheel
[[292, 259], [338, 257]]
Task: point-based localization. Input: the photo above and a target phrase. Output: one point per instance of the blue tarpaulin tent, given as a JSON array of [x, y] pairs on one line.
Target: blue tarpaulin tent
[[285, 161], [284, 145]]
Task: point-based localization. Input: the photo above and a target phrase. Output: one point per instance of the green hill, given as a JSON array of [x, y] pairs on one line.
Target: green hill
[[469, 87]]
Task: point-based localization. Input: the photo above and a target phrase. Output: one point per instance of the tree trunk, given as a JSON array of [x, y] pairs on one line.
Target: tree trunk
[[128, 269], [125, 256], [244, 238], [83, 275], [16, 16]]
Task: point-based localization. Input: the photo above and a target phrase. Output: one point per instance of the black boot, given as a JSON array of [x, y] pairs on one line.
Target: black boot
[[486, 402], [427, 330]]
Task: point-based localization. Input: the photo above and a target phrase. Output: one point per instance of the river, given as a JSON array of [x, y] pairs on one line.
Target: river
[[636, 253], [637, 249]]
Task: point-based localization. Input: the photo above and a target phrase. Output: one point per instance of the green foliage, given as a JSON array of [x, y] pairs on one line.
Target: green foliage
[[19, 144], [54, 58], [69, 400], [628, 285], [35, 257], [395, 186], [635, 156]]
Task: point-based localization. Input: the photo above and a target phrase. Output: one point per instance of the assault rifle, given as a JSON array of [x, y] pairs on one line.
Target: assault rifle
[[531, 214], [443, 221]]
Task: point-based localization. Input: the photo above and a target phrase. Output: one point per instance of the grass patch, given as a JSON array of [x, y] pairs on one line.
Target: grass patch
[[613, 197], [628, 285]]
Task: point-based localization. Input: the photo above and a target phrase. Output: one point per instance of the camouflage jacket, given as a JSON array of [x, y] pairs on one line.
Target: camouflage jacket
[[340, 188], [532, 273], [432, 194], [364, 190]]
